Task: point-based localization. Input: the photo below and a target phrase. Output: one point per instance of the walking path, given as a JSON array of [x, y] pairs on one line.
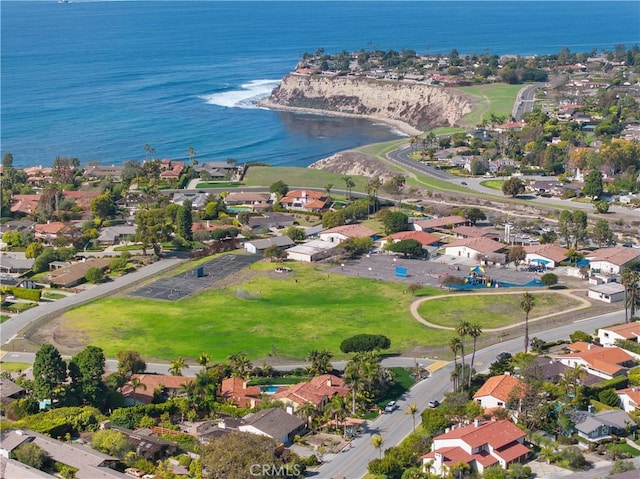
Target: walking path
[[584, 303]]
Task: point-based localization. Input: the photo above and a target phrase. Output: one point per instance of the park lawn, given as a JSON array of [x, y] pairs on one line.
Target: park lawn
[[496, 98], [491, 311], [299, 177], [284, 317], [13, 367], [493, 184]]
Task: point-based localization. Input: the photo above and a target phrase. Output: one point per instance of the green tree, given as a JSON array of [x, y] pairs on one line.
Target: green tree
[[408, 247], [240, 365], [184, 221], [273, 252], [49, 372], [462, 330], [86, 370], [112, 442], [279, 187], [630, 279], [394, 221], [94, 275], [33, 250], [434, 421], [377, 441], [572, 227], [602, 234], [320, 362], [517, 255], [601, 206], [152, 229], [364, 342], [331, 219], [349, 184], [549, 279], [513, 187], [527, 303], [130, 362], [474, 215], [296, 234], [177, 366], [593, 185], [31, 455], [103, 206], [43, 260]]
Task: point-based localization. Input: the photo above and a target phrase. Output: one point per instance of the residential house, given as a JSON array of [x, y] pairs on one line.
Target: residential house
[[605, 363], [306, 200], [480, 445], [630, 399], [473, 248], [274, 423], [15, 281], [219, 170], [151, 383], [269, 221], [12, 469], [171, 170], [607, 292], [90, 464], [258, 246], [602, 425], [10, 391], [318, 392], [553, 371], [255, 201], [74, 274], [10, 264], [237, 391], [611, 261], [440, 224], [473, 232], [197, 199], [311, 251], [548, 254], [113, 235], [21, 226], [345, 232], [627, 331], [511, 126], [24, 204], [48, 232], [82, 198], [99, 172], [146, 445], [496, 391]]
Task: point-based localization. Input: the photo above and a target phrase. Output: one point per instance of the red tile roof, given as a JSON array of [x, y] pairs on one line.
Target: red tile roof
[[24, 203], [497, 434], [551, 251], [627, 331], [52, 228], [617, 256], [499, 387], [237, 391], [153, 382], [481, 245], [425, 239], [606, 360], [351, 231], [317, 391]]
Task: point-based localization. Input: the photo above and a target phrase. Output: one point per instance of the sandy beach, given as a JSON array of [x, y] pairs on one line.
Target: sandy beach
[[401, 126]]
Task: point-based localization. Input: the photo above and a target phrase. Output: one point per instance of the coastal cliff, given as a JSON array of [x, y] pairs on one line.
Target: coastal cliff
[[417, 105]]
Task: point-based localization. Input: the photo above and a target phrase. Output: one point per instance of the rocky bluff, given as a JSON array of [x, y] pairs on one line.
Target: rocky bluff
[[418, 105]]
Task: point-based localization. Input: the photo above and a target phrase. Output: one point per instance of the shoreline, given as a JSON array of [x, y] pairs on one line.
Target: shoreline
[[399, 125]]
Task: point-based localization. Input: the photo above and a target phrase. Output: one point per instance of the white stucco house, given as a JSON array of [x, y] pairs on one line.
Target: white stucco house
[[610, 261], [629, 331], [607, 292]]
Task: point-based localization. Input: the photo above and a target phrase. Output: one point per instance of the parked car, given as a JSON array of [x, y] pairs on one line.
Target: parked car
[[392, 406], [503, 356], [433, 404], [463, 183]]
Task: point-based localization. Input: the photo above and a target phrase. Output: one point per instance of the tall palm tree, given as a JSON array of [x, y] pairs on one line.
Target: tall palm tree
[[353, 374], [240, 365], [527, 303], [320, 362], [177, 366], [307, 411], [192, 155], [327, 188], [630, 279], [135, 384], [454, 344], [349, 184], [337, 408], [377, 442], [203, 360], [462, 329], [474, 331], [412, 409]]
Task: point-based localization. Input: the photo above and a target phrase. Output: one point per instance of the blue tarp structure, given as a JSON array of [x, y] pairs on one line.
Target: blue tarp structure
[[540, 261], [582, 263]]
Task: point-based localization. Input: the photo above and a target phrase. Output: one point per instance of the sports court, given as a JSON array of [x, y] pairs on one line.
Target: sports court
[[196, 279]]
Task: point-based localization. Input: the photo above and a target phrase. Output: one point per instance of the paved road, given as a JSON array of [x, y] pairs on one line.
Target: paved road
[[524, 101], [17, 323]]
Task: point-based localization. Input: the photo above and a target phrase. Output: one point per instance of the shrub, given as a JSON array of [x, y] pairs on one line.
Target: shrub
[[28, 294], [365, 342]]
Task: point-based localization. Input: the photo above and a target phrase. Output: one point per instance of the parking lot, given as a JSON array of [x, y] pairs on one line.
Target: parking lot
[[184, 284], [428, 272]]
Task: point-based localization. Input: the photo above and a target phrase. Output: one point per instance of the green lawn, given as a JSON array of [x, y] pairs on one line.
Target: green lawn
[[295, 177], [3, 318], [493, 184], [286, 317], [496, 98], [491, 311], [13, 367], [53, 295]]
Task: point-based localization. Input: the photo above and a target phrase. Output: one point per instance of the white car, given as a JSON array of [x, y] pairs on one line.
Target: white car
[[392, 406]]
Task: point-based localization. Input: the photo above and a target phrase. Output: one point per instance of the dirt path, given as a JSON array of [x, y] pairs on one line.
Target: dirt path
[[585, 303]]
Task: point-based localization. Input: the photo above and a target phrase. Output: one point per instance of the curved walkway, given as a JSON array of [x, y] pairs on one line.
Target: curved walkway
[[584, 303]]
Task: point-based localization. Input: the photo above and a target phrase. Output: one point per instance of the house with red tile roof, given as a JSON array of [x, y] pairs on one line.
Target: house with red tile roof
[[425, 239], [612, 260], [25, 204], [52, 230], [630, 398], [473, 248], [143, 394], [473, 232], [171, 170], [605, 363], [239, 393], [629, 331], [481, 445], [496, 390], [550, 255], [345, 232], [318, 392], [306, 200], [442, 223]]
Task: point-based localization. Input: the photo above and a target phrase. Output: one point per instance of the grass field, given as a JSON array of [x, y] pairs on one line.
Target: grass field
[[496, 98], [491, 311], [292, 176], [12, 367], [493, 184], [286, 317]]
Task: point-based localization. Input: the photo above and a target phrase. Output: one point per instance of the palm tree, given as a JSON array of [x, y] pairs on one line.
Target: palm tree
[[474, 331], [354, 377], [629, 279], [192, 155], [462, 329], [371, 188], [412, 409], [203, 360], [454, 344], [337, 408], [377, 441], [135, 384], [348, 182], [307, 411], [177, 366], [320, 362], [327, 188], [527, 303], [240, 365]]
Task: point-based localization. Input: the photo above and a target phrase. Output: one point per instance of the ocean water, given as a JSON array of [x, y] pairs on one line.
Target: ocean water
[[99, 80]]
